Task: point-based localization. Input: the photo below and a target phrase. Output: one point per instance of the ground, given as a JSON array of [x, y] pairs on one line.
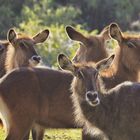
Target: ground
[[56, 134]]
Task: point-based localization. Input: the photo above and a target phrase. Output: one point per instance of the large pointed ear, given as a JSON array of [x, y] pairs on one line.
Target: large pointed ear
[[75, 35], [11, 35], [105, 63], [41, 37], [65, 63], [115, 32]]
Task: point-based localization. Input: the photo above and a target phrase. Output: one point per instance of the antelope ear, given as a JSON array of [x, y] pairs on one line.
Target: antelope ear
[[75, 35], [115, 32], [41, 37], [105, 63], [105, 33], [65, 63], [11, 35]]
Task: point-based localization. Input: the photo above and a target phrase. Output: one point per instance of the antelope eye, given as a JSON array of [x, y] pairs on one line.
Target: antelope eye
[[131, 45], [21, 44], [80, 74]]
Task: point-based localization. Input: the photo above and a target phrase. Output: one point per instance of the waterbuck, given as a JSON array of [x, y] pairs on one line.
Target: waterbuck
[[18, 51], [28, 98], [126, 63], [115, 113], [21, 52], [92, 47]]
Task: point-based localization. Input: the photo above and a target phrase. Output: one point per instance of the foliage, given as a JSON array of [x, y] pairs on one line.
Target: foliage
[[55, 20], [9, 15], [58, 41], [50, 14]]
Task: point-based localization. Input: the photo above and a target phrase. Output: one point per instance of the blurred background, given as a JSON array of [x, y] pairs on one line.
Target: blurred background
[[87, 16]]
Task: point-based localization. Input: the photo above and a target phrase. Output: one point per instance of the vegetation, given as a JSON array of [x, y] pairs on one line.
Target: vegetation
[[56, 134], [31, 16]]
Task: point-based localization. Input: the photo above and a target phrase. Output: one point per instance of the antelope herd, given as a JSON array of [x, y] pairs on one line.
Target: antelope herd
[[99, 94]]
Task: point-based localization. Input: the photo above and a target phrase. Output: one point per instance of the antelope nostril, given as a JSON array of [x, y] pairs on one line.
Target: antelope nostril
[[36, 58], [91, 96], [39, 58]]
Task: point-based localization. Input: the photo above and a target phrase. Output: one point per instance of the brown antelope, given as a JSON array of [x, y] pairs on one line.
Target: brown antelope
[[23, 53], [126, 64], [115, 113], [92, 48], [36, 94], [19, 51]]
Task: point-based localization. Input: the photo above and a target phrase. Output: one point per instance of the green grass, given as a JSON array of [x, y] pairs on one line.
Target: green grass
[[2, 134], [56, 134]]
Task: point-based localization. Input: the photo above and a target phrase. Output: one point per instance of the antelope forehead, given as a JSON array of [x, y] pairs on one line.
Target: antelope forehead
[[89, 70]]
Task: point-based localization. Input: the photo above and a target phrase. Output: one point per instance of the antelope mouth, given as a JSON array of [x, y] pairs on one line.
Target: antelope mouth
[[33, 62], [94, 102]]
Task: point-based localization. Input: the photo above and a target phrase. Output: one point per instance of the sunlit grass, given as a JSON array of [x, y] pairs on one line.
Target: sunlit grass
[[55, 134], [2, 134]]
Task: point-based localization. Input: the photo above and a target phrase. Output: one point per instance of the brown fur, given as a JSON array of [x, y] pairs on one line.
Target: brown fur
[[92, 48], [18, 52], [112, 115], [4, 47], [35, 103], [93, 51], [117, 117], [126, 64]]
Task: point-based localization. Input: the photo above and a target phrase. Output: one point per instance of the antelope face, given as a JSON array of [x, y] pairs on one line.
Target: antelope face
[[26, 52], [24, 47], [129, 47], [88, 77], [85, 84]]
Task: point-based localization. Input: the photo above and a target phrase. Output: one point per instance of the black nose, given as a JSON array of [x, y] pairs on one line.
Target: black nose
[[36, 58], [92, 96]]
